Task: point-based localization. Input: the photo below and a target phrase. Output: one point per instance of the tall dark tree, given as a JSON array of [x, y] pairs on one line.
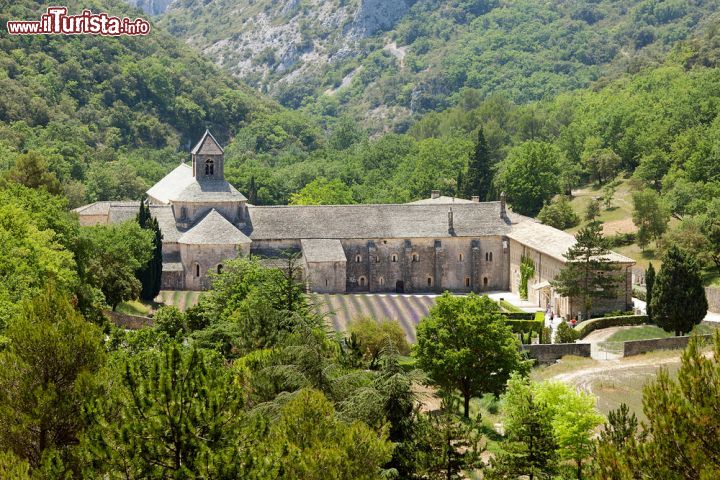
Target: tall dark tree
[[678, 298], [649, 283], [150, 274], [480, 174], [252, 191], [588, 274]]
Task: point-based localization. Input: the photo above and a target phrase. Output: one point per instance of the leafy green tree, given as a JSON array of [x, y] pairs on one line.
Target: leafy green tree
[[174, 414], [574, 420], [308, 441], [322, 191], [530, 176], [559, 214], [649, 285], [478, 180], [601, 163], [464, 344], [530, 447], [649, 215], [263, 302], [170, 320], [374, 337], [710, 227], [31, 170], [588, 273], [109, 256], [678, 300], [150, 274], [45, 369]]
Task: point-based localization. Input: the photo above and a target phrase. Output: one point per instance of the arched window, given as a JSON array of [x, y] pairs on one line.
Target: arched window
[[416, 257], [487, 257], [209, 167], [219, 268], [381, 281], [358, 258], [485, 282], [326, 282], [394, 258], [377, 258], [362, 281], [429, 281], [460, 257], [183, 212], [467, 281], [491, 256], [197, 270]]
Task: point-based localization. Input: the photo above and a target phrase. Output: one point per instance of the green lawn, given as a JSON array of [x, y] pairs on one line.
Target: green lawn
[[647, 332], [135, 307]]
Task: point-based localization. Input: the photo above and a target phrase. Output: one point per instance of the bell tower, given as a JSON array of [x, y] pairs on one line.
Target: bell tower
[[208, 160]]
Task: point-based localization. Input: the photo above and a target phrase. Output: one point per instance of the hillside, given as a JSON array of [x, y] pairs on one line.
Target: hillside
[[111, 115], [387, 62]]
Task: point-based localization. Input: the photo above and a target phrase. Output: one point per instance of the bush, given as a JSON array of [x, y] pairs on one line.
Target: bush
[[618, 313], [566, 334], [559, 214], [639, 293], [593, 324], [620, 240]]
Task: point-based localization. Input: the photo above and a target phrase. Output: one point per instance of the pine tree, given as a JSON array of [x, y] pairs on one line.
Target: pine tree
[[678, 297], [649, 283], [479, 176], [588, 273]]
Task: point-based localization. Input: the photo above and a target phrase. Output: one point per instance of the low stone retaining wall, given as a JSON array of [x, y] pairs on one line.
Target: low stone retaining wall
[[131, 322], [713, 298], [637, 347], [550, 353]]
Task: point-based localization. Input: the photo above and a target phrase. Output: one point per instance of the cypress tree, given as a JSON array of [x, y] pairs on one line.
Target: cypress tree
[[150, 275], [252, 191], [678, 297], [649, 282], [479, 176]]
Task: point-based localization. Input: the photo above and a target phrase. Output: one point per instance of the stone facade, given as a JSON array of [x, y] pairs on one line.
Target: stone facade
[[428, 246]]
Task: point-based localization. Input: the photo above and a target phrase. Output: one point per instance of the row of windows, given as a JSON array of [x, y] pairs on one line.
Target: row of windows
[[362, 281], [219, 269], [416, 257]]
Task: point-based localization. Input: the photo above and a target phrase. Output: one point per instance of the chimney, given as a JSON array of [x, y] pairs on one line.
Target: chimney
[[451, 228], [475, 198], [435, 194], [503, 199]]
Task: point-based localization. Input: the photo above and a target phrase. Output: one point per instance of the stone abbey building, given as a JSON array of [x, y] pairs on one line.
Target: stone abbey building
[[432, 245]]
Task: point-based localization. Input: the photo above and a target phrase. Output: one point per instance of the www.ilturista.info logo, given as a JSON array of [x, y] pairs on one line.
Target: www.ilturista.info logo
[[57, 21]]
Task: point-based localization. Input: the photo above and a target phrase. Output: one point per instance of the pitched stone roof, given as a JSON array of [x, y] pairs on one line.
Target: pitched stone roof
[[103, 207], [322, 250], [548, 240], [172, 184], [374, 221], [208, 191], [207, 145], [214, 229], [166, 222], [442, 199]]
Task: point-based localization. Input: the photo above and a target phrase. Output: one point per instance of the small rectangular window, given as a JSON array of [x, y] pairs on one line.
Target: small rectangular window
[[467, 281]]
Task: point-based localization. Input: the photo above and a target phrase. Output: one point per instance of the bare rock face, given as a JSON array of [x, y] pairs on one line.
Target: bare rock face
[[151, 7], [374, 16], [275, 43]]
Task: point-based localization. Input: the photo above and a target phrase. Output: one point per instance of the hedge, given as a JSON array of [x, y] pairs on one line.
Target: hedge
[[593, 324], [519, 315]]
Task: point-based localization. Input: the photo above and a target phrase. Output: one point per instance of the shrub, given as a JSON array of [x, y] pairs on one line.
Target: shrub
[[593, 324], [639, 293], [566, 334], [618, 313]]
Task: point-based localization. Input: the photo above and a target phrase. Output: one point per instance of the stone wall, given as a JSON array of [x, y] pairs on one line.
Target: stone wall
[[325, 277], [130, 322], [550, 353], [200, 261], [426, 264], [636, 347], [713, 298]]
